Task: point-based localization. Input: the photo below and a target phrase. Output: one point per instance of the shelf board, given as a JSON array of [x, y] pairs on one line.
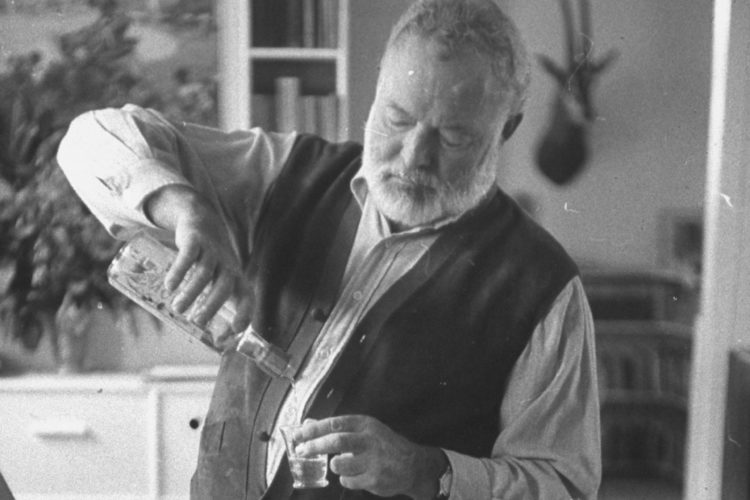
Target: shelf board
[[293, 54]]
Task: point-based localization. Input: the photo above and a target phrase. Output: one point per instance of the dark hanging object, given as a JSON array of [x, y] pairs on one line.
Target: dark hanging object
[[563, 148]]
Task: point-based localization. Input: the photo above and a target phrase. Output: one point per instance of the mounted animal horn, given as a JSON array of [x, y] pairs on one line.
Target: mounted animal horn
[[563, 149]]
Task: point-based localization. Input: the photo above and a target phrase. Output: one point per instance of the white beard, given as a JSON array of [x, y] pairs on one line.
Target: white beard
[[415, 199]]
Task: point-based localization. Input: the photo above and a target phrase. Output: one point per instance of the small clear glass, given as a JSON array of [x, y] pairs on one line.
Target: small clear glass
[[307, 472]]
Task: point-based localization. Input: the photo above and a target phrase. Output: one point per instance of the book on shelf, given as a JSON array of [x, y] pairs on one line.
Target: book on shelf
[[328, 119], [266, 17], [327, 26], [293, 111], [307, 23], [263, 111], [309, 8], [293, 32], [309, 111], [286, 103]]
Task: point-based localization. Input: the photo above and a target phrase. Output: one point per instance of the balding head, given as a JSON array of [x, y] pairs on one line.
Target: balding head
[[479, 26]]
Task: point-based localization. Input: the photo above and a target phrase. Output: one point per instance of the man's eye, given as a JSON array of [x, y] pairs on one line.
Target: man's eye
[[454, 140], [398, 121]]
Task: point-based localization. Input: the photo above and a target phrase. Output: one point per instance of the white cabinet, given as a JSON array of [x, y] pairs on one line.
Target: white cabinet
[[180, 411], [65, 437], [102, 437]]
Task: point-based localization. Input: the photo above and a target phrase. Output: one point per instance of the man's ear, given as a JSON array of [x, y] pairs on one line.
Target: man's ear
[[511, 125]]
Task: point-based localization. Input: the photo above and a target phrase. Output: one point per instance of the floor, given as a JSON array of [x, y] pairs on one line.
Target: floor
[[633, 489]]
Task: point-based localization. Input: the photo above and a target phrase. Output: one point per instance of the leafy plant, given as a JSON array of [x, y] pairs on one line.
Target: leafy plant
[[53, 252]]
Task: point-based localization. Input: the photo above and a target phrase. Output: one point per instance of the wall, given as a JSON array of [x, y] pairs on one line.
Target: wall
[[649, 141]]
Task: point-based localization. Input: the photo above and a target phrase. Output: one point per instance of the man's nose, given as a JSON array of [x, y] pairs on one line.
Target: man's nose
[[417, 149]]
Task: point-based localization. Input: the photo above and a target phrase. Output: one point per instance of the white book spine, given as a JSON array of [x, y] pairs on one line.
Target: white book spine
[[310, 114], [287, 103], [308, 23], [262, 106], [329, 123]]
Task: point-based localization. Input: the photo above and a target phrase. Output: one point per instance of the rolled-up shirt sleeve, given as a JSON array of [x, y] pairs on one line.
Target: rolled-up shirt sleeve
[[549, 445], [116, 158]]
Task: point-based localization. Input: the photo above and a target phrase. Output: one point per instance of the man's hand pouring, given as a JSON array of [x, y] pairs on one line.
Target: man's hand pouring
[[206, 258]]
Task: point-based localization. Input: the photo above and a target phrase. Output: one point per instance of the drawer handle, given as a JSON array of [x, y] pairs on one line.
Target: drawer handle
[[59, 428]]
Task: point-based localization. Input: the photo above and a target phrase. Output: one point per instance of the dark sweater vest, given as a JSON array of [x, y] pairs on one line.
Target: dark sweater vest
[[430, 359]]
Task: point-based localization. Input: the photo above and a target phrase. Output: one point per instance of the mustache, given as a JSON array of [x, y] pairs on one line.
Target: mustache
[[415, 178]]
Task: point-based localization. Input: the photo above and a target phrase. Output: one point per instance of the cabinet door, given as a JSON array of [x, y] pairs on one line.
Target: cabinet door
[[183, 409], [74, 444]]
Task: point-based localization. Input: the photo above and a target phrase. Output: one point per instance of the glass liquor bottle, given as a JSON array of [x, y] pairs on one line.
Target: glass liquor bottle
[[138, 272]]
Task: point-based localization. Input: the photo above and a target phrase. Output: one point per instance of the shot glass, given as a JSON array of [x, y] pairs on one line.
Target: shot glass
[[307, 472]]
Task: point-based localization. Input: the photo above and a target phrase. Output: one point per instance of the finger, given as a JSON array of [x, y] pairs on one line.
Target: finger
[[358, 482], [349, 464], [342, 423], [186, 257], [220, 292], [341, 442], [199, 278]]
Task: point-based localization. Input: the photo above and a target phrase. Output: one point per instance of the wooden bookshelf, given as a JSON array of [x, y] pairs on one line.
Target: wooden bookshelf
[[265, 43], [736, 484], [644, 332]]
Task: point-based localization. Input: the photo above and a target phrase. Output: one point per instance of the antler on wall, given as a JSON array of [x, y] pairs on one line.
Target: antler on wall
[[563, 149]]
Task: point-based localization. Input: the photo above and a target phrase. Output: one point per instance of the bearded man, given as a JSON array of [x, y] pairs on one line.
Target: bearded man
[[441, 340]]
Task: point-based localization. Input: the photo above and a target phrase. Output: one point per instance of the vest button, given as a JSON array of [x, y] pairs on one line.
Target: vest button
[[319, 314], [264, 436]]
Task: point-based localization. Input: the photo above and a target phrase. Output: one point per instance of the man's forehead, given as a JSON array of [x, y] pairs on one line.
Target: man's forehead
[[423, 61], [408, 80]]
